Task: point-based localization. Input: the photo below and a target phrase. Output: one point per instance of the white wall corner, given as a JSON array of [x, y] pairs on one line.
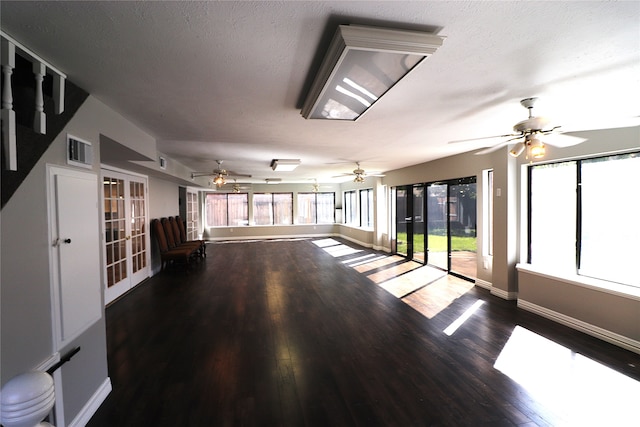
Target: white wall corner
[[504, 294], [484, 284]]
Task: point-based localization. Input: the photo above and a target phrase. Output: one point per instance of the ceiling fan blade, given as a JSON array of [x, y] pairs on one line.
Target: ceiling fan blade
[[197, 174], [484, 137], [562, 140], [232, 173], [497, 146]]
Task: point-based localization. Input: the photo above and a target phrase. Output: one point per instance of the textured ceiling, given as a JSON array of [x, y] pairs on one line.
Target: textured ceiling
[[226, 80]]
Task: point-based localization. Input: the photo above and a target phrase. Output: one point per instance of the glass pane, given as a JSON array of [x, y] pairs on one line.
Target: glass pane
[[109, 251], [350, 208], [553, 217], [610, 208], [401, 222], [437, 240], [306, 208], [238, 208], [325, 208], [418, 222], [262, 212], [216, 210], [283, 208], [462, 225], [110, 279], [366, 208]]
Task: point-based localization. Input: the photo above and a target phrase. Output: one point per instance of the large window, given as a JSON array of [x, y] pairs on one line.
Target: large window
[[316, 208], [366, 208], [226, 209], [582, 217], [273, 208], [350, 207]]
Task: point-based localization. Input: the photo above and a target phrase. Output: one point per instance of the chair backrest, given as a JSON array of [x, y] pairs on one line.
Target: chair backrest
[[158, 231], [176, 231], [168, 231], [183, 232]]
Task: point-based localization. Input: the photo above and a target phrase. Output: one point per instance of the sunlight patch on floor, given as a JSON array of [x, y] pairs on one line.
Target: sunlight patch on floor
[[351, 263], [393, 272], [438, 295], [357, 260], [323, 243], [380, 262], [465, 316], [406, 283], [580, 391], [340, 250]]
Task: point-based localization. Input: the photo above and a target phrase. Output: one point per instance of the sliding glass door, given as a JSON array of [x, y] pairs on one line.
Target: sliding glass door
[[403, 223], [462, 227], [437, 226], [417, 219]]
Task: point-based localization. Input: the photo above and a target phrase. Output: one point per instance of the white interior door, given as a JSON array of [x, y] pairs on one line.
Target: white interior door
[[74, 236], [126, 237]]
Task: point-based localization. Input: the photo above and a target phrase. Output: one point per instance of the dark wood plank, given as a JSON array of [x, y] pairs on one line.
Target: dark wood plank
[[280, 333]]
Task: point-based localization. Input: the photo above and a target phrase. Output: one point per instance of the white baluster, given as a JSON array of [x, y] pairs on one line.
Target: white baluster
[[8, 115], [40, 118], [58, 92]]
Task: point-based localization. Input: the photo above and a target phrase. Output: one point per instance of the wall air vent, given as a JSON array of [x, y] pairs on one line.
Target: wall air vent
[[79, 152]]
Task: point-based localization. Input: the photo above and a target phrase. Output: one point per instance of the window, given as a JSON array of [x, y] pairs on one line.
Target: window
[[350, 208], [316, 208], [366, 208], [487, 247], [582, 214], [273, 208], [227, 209]]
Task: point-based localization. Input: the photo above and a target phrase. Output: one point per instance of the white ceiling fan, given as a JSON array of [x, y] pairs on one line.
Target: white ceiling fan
[[529, 133], [360, 174], [219, 175]]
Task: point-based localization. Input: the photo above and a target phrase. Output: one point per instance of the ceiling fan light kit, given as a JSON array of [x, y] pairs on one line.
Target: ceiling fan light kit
[[532, 130]]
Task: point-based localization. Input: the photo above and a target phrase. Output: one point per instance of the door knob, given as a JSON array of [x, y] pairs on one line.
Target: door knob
[[67, 240]]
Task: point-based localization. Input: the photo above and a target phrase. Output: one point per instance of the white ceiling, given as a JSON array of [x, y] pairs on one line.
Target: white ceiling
[[226, 80]]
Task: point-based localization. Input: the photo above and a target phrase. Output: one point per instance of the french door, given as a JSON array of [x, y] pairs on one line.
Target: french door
[[126, 236]]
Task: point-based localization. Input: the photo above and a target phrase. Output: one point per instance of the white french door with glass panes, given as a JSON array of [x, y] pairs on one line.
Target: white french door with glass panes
[[192, 216], [126, 236]]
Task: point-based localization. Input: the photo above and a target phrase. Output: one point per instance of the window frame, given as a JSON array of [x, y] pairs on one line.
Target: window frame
[[579, 212], [245, 220], [273, 208], [314, 220]]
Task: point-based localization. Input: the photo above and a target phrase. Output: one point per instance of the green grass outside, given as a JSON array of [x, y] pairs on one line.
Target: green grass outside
[[437, 243]]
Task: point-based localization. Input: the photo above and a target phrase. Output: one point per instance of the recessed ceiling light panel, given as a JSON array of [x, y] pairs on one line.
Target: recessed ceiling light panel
[[362, 64], [284, 165]]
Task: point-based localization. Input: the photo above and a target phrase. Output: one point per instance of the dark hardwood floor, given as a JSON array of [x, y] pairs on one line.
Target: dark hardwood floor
[[287, 333]]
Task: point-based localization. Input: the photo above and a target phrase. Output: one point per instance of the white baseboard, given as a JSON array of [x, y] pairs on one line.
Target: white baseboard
[[92, 405], [504, 294], [269, 237], [587, 328], [483, 284], [357, 242]]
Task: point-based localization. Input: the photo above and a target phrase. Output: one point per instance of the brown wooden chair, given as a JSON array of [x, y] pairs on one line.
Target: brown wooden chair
[[182, 232], [169, 254]]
